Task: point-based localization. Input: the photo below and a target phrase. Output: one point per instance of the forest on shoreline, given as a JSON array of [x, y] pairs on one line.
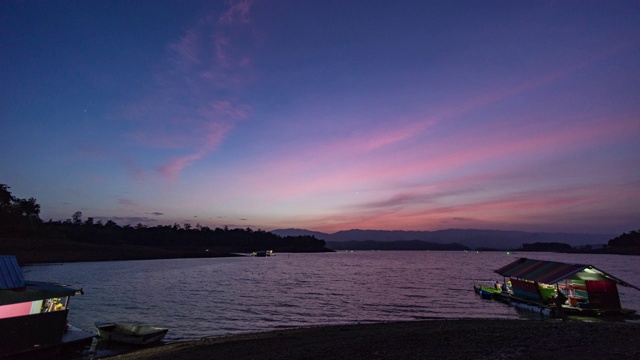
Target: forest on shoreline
[[24, 234], [32, 240]]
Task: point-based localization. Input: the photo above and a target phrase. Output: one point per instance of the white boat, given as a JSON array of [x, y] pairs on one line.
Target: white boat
[[33, 314], [130, 333], [262, 253]]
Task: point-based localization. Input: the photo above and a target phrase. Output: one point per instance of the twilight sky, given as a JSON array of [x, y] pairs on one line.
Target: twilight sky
[[325, 115]]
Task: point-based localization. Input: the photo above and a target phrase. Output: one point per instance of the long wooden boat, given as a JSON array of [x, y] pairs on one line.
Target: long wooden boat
[[558, 289], [130, 333], [33, 315]]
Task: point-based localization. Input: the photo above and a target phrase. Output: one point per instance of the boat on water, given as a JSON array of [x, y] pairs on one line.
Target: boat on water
[[486, 292], [33, 315], [557, 289], [263, 253], [130, 333]]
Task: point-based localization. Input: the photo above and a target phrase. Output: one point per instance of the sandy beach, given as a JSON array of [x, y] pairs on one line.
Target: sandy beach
[[432, 339]]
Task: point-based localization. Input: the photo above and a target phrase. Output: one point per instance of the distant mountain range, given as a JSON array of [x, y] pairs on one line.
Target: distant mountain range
[[472, 238]]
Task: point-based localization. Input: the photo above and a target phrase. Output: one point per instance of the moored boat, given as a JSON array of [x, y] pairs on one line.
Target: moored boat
[[263, 253], [558, 289], [33, 314], [486, 292], [130, 333]]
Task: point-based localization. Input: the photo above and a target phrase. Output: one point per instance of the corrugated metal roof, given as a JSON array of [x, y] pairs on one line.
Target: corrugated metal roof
[[551, 272], [35, 290], [11, 276]]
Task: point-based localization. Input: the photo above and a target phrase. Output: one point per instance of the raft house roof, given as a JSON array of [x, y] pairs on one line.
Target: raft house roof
[[15, 289], [551, 272], [10, 273]]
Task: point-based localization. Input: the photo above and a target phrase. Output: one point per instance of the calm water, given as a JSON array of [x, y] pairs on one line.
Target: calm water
[[196, 298]]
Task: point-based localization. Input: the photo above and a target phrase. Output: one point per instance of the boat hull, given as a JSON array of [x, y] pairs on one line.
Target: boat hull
[[485, 292], [552, 311], [32, 332], [131, 334]]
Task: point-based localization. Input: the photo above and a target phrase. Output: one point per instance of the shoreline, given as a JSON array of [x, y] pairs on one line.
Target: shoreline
[[449, 339]]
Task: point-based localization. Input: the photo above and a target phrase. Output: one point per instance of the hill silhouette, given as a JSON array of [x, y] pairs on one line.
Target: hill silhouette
[[471, 238]]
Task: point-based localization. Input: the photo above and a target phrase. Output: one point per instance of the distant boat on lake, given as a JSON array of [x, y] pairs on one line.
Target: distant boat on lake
[[263, 253]]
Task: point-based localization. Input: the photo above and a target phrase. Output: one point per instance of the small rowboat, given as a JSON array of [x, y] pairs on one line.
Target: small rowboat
[[130, 333]]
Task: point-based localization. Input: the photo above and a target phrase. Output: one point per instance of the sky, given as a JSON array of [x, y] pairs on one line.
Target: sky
[[325, 115]]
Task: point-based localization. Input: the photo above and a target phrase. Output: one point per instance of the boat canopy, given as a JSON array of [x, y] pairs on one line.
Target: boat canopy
[[551, 272], [15, 289], [10, 273], [35, 290]]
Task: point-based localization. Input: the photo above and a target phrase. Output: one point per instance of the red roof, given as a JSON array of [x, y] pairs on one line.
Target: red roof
[[551, 272]]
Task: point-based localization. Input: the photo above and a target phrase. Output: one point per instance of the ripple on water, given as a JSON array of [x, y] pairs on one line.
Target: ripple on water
[[196, 298]]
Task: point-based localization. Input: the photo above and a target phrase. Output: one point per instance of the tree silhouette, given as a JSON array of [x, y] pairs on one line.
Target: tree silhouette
[[18, 217], [76, 218], [626, 240]]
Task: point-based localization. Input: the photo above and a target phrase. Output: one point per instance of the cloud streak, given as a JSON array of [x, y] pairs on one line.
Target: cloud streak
[[410, 115], [195, 104]]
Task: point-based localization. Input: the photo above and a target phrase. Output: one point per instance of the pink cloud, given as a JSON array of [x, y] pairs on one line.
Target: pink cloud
[[501, 212], [186, 51], [195, 104], [158, 139], [303, 164], [173, 167], [126, 202], [541, 207], [318, 170], [218, 109], [466, 148], [432, 189], [220, 79], [227, 34], [222, 45], [238, 12], [215, 135]]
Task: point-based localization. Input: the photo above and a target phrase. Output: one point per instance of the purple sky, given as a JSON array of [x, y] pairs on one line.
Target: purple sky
[[325, 115]]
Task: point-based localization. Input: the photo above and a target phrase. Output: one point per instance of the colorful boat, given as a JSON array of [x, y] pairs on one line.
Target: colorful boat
[[33, 315], [559, 289], [486, 292]]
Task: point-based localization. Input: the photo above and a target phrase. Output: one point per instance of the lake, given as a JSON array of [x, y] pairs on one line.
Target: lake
[[197, 298]]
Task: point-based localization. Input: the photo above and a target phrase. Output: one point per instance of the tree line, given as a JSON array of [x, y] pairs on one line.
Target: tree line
[[20, 218], [627, 243], [630, 239]]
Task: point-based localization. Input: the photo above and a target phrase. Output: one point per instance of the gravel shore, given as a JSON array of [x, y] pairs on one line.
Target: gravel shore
[[432, 339]]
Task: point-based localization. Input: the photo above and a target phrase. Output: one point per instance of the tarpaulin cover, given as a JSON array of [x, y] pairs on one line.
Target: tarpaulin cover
[[551, 272], [35, 290], [14, 289], [10, 273]]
